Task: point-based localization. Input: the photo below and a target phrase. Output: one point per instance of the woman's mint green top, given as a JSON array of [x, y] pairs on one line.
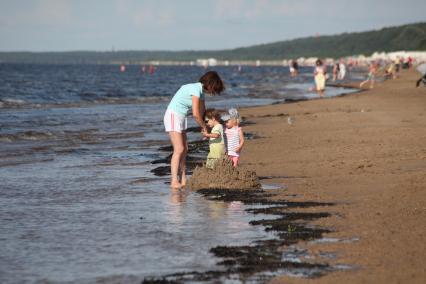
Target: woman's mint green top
[[182, 101]]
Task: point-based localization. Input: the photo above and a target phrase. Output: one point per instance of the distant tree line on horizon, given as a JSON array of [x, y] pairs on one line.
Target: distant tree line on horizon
[[406, 37]]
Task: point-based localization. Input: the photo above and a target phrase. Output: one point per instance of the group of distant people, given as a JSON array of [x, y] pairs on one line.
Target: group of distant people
[[144, 69], [390, 70], [320, 73]]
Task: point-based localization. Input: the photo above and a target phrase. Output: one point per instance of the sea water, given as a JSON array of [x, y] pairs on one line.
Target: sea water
[[78, 201]]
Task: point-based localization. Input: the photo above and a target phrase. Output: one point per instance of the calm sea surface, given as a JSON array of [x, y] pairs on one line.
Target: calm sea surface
[[78, 201]]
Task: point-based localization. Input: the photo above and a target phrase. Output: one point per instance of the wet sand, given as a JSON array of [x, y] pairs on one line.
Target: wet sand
[[365, 152]]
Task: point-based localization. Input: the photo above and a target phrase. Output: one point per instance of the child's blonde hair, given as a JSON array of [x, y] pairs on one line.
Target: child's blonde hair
[[237, 121]]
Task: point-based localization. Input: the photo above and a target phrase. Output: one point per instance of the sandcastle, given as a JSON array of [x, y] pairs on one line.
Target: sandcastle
[[223, 176]]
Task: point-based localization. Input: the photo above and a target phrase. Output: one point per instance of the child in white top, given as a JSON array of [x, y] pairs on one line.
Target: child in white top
[[234, 135]]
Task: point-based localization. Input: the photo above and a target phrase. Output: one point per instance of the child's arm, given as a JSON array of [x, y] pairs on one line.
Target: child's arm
[[211, 135], [240, 146]]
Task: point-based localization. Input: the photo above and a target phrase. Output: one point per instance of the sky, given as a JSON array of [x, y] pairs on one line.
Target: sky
[[101, 25]]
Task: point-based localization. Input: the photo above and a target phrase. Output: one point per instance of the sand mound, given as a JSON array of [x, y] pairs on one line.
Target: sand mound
[[223, 176]]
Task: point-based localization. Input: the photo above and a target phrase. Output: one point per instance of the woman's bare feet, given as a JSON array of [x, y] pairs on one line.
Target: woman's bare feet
[[175, 184], [183, 181]]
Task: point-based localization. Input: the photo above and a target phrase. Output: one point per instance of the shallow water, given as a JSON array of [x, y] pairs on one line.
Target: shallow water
[[78, 201], [80, 225]]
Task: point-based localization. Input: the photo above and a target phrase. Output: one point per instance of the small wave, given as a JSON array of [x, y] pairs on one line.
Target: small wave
[[13, 101], [27, 135], [5, 138], [129, 100], [7, 102]]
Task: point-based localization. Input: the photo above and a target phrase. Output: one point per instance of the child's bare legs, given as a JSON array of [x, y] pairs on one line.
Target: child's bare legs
[[234, 160], [178, 149], [182, 162]]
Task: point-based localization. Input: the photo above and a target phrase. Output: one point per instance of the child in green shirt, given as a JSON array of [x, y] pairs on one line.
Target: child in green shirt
[[216, 140]]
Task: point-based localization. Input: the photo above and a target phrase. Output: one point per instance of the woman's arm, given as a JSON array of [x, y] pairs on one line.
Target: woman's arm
[[198, 109], [202, 108]]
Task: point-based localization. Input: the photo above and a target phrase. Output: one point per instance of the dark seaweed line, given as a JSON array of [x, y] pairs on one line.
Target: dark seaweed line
[[252, 262]]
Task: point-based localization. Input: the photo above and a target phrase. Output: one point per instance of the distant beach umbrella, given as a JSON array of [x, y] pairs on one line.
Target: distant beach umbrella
[[422, 68]]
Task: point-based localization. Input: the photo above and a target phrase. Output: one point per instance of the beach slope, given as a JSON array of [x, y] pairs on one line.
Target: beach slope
[[367, 153]]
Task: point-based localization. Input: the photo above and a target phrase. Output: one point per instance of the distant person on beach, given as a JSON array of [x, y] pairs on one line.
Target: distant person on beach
[[405, 63], [371, 77], [234, 136], [422, 69], [336, 71], [320, 77], [188, 97], [342, 70], [410, 62], [421, 80], [216, 139], [294, 68], [390, 71], [397, 64]]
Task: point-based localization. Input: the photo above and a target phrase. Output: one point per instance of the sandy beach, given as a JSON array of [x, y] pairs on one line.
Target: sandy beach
[[365, 152]]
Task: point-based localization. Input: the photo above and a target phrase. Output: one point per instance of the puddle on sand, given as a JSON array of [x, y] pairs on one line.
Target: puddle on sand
[[335, 240], [267, 186]]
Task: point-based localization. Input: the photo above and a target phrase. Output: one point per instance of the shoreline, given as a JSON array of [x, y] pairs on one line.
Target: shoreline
[[364, 152]]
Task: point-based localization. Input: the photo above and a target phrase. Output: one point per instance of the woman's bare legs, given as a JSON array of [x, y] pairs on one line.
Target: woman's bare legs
[[178, 149], [182, 162]]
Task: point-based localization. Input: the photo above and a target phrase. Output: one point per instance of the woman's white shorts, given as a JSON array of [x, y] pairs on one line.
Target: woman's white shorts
[[174, 121]]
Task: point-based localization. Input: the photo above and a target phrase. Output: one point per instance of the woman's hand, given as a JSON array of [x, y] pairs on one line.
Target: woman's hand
[[204, 132]]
